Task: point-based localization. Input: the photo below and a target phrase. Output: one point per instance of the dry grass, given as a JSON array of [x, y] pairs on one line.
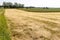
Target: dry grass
[[33, 26]]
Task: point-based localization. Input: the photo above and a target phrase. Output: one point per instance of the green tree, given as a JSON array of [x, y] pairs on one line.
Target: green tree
[[21, 5], [16, 5], [7, 4]]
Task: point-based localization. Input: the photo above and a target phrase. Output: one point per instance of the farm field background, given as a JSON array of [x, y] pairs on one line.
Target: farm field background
[[41, 9], [33, 25], [19, 21]]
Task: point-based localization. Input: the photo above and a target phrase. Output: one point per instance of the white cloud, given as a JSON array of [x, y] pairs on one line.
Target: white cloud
[[40, 3]]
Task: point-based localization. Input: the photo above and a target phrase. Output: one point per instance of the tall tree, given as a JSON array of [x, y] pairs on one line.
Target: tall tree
[[7, 4], [16, 5]]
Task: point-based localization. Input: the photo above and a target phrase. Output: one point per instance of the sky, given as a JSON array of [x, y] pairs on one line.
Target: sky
[[36, 3]]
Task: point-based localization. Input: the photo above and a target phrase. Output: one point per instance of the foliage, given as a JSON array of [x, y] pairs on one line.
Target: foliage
[[11, 5]]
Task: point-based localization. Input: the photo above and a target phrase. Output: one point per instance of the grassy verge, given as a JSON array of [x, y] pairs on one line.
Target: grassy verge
[[4, 32]]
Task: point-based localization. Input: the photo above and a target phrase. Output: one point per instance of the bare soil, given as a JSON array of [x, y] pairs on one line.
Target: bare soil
[[33, 26]]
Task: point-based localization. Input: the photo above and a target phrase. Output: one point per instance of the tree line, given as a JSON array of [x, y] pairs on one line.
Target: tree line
[[11, 5], [17, 5], [14, 5]]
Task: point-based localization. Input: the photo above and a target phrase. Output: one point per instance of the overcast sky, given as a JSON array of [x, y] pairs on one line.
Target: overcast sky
[[37, 3]]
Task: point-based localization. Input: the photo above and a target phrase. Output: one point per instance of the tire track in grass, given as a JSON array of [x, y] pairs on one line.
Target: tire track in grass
[[48, 18]]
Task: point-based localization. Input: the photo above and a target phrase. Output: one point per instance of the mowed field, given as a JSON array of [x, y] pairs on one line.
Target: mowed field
[[33, 25]]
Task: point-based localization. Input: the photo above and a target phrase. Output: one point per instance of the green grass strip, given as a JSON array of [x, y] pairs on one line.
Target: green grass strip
[[4, 32]]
